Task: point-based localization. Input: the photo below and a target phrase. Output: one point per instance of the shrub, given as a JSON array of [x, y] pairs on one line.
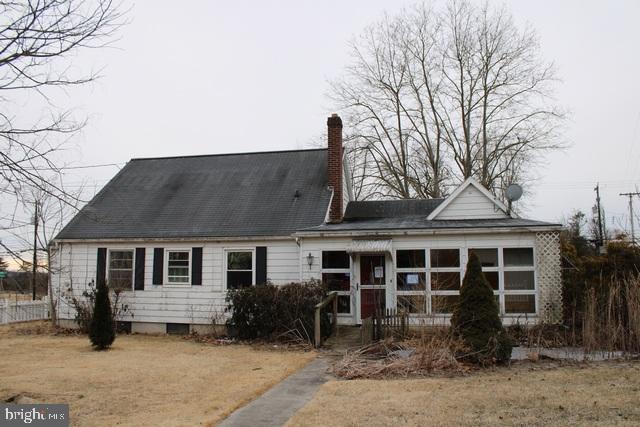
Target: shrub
[[83, 306], [476, 319], [588, 275], [269, 311], [102, 330]]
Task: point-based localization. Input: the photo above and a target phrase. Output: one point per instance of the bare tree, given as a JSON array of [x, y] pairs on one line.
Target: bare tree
[[434, 97], [38, 40], [50, 213]]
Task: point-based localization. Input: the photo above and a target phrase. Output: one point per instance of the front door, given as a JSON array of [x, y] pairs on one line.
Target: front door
[[372, 284]]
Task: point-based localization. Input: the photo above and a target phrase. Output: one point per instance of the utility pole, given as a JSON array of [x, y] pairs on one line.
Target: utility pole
[[600, 231], [34, 267], [630, 196]]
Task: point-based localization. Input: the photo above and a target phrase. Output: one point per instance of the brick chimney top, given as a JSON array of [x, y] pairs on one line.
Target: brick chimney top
[[334, 121], [334, 166]]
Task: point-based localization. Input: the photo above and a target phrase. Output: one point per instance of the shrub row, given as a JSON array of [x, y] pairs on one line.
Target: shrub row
[[271, 312]]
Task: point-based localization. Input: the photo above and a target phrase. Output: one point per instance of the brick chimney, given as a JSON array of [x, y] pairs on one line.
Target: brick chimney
[[334, 166]]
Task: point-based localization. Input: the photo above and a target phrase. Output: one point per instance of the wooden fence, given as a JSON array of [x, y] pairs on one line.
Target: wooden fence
[[383, 324], [23, 311]]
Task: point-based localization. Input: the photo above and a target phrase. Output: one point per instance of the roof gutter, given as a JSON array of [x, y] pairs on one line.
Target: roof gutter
[[430, 232], [175, 239]]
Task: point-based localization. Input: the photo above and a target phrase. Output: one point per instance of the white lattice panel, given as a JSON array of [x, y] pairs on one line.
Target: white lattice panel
[[549, 277]]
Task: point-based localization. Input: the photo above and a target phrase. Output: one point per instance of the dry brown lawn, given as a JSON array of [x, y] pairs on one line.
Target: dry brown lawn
[[603, 394], [142, 380]]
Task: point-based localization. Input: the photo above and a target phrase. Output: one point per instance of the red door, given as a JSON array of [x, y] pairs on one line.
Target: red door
[[372, 277]]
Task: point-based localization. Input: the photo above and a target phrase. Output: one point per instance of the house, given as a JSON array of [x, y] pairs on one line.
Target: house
[[176, 233]]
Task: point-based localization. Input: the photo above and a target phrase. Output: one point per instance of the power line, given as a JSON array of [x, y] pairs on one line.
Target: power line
[[78, 167]]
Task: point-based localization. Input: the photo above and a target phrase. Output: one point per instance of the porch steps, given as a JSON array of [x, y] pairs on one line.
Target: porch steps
[[347, 337]]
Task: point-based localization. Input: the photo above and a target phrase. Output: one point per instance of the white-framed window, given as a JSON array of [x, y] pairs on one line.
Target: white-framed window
[[239, 268], [336, 275], [121, 266], [411, 280], [445, 278], [178, 266], [511, 273]]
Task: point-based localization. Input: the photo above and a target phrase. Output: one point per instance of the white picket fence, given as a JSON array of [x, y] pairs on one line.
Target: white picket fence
[[23, 311]]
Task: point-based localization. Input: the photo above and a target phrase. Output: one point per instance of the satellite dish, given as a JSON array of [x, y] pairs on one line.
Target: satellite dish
[[514, 192]]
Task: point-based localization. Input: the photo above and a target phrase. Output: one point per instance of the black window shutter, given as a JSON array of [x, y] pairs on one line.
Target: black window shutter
[[158, 265], [101, 267], [139, 273], [261, 265], [196, 266]]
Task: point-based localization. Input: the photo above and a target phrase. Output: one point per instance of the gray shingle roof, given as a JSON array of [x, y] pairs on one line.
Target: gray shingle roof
[[390, 208], [231, 195], [391, 215]]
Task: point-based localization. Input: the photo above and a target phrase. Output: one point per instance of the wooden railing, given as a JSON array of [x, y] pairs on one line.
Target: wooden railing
[[332, 297]]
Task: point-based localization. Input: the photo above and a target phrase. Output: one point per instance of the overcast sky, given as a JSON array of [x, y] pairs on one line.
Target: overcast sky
[[202, 77]]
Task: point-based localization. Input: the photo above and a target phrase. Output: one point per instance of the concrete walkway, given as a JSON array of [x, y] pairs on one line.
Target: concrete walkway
[[567, 353], [276, 406]]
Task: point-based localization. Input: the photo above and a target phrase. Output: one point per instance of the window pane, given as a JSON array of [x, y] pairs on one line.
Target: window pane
[[344, 304], [121, 259], [519, 280], [520, 304], [178, 271], [178, 279], [445, 281], [444, 303], [239, 279], [488, 257], [445, 258], [518, 257], [179, 256], [120, 269], [372, 270], [493, 279], [337, 281], [412, 303], [335, 259], [410, 259], [239, 261], [120, 279], [179, 260], [411, 281]]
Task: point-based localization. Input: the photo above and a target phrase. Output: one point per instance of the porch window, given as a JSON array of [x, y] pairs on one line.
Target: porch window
[[511, 274], [336, 275], [120, 269], [445, 279], [239, 269], [411, 280], [519, 281], [490, 266], [178, 267]]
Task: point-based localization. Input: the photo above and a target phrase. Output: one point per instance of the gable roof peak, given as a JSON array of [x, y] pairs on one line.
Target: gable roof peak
[[470, 182]]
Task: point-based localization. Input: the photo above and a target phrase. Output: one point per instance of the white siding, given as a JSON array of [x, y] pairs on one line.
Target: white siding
[[471, 204], [75, 267], [346, 190]]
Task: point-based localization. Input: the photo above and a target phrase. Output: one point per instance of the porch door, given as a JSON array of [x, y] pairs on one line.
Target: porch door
[[372, 284]]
